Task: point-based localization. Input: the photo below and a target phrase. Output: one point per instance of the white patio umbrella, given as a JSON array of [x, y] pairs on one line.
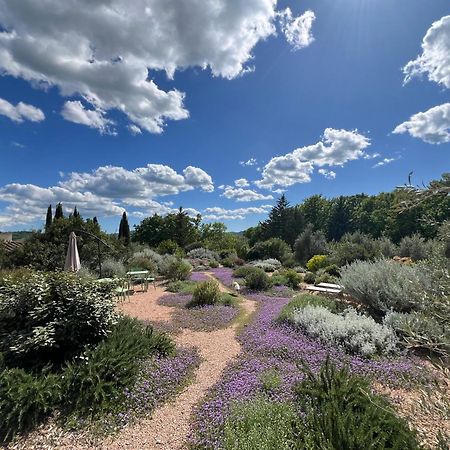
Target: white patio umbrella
[[72, 258]]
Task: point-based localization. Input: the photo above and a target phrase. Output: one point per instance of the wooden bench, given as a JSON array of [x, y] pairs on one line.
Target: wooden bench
[[323, 289], [330, 286]]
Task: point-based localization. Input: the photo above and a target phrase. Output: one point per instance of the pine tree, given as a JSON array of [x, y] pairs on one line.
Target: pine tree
[[59, 214], [124, 229], [49, 218], [276, 225]]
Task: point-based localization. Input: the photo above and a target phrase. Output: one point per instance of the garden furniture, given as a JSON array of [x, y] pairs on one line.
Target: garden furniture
[[141, 276]]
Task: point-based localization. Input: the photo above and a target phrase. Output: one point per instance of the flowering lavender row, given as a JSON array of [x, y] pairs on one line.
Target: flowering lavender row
[[199, 276], [271, 346], [204, 318], [224, 275], [159, 379]]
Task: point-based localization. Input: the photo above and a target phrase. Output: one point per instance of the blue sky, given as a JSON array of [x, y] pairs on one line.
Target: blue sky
[[312, 90]]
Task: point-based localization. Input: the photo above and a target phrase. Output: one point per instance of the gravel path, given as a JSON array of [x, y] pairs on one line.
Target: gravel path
[[169, 426]]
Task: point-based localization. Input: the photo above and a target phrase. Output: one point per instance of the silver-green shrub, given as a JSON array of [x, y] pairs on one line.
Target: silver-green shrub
[[149, 254], [415, 247], [385, 285], [203, 253], [418, 330], [174, 268], [268, 265], [111, 268], [350, 330]]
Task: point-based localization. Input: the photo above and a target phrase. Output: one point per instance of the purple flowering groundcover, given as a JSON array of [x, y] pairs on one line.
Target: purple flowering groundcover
[[271, 347]]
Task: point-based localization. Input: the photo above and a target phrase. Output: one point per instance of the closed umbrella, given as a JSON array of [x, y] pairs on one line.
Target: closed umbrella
[[73, 258]]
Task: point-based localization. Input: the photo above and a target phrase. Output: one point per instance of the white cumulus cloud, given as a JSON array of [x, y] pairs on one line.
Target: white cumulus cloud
[[244, 195], [328, 174], [20, 112], [432, 126], [297, 30], [75, 112], [241, 182], [336, 148], [218, 213], [435, 58]]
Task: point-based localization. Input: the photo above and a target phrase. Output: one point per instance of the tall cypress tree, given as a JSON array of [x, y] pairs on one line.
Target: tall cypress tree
[[75, 212], [59, 214], [124, 229], [49, 218], [95, 221]]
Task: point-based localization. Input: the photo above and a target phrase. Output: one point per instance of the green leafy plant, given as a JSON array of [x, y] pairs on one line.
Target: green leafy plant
[[257, 280], [25, 400], [302, 300], [293, 279], [95, 383], [317, 262], [175, 269], [309, 278], [50, 317], [260, 424], [342, 413], [205, 293]]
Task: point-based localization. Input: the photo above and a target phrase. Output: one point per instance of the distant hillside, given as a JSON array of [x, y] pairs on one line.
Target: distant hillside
[[21, 235]]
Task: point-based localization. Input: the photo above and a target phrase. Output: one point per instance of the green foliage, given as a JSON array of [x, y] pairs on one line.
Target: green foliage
[[206, 293], [332, 270], [182, 287], [310, 243], [309, 278], [353, 247], [268, 265], [385, 285], [257, 280], [243, 271], [292, 278], [418, 330], [49, 317], [175, 269], [124, 229], [25, 400], [272, 248], [95, 384], [168, 247], [270, 380], [342, 413], [260, 424], [324, 277], [113, 268], [317, 262], [414, 246], [302, 300], [47, 251], [138, 262]]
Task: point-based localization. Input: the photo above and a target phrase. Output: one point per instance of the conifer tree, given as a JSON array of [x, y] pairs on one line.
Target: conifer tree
[[95, 220], [124, 229], [49, 218], [59, 214], [75, 212]]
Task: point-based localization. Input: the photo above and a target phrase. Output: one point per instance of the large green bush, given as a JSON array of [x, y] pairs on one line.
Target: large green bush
[[174, 268], [310, 243], [353, 247], [257, 280], [113, 268], [50, 317], [384, 285], [95, 383], [205, 293], [272, 248], [342, 413], [415, 247]]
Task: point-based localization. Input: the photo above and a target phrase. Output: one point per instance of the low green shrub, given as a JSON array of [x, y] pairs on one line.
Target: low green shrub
[[227, 299], [385, 285], [243, 271], [25, 400], [342, 413], [352, 247], [257, 280], [95, 383], [293, 279], [142, 263], [350, 330], [206, 293], [415, 247], [332, 270], [182, 287], [268, 265], [302, 300], [309, 278], [324, 277], [271, 380], [260, 424], [112, 268], [278, 280], [47, 318], [175, 269], [168, 247], [317, 262], [213, 264]]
